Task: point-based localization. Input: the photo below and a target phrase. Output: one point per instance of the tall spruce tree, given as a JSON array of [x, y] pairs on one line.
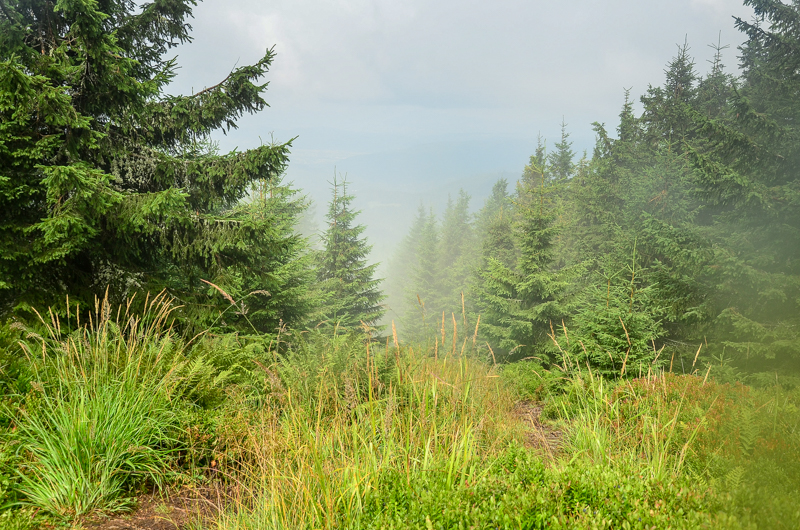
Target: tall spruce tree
[[494, 284], [105, 180], [423, 293], [351, 291], [517, 301]]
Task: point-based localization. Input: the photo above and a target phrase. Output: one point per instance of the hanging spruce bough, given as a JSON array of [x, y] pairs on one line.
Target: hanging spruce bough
[[105, 180], [347, 280]]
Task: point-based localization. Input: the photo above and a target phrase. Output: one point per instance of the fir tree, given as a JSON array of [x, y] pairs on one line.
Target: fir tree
[[352, 293], [495, 282], [105, 180], [560, 161], [667, 113], [423, 295]]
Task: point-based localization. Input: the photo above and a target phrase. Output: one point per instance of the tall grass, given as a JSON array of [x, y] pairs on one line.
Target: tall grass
[[102, 415], [351, 416], [604, 426], [338, 431]]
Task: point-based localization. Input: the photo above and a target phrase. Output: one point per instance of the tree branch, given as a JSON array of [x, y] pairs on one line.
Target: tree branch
[[209, 89], [5, 11]]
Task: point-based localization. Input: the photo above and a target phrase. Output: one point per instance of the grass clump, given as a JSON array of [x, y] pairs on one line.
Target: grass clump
[[103, 412], [86, 443]]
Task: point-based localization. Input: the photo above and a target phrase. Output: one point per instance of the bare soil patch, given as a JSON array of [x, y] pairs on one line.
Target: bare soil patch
[[167, 511]]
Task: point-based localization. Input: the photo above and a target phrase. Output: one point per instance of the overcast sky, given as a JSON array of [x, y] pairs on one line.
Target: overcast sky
[[415, 92]]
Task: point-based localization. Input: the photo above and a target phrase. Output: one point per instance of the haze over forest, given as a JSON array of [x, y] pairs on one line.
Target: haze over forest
[[413, 102]]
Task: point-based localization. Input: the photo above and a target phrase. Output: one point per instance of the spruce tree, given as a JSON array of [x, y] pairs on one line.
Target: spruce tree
[[105, 179], [494, 284], [403, 263], [666, 108], [423, 294], [499, 201], [351, 292], [560, 162], [279, 286], [455, 259], [517, 301]]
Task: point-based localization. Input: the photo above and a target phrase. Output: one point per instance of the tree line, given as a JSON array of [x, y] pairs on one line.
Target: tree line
[[681, 231]]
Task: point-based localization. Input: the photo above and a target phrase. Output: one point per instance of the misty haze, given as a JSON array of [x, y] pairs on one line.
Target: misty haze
[[371, 264]]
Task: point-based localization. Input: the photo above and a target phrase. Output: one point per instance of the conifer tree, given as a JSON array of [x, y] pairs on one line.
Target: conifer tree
[[499, 201], [404, 262], [602, 202], [280, 288], [455, 258], [105, 179], [560, 162], [518, 301], [352, 294], [666, 108], [494, 284], [423, 295]]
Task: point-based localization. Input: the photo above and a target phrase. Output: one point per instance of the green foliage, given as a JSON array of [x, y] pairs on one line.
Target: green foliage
[[106, 180], [519, 492], [616, 324], [104, 411], [352, 293]]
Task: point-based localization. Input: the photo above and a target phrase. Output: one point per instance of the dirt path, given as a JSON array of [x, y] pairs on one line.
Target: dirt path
[[173, 511], [539, 435]]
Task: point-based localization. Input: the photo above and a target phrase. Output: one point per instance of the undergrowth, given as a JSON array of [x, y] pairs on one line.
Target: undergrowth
[[327, 430]]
